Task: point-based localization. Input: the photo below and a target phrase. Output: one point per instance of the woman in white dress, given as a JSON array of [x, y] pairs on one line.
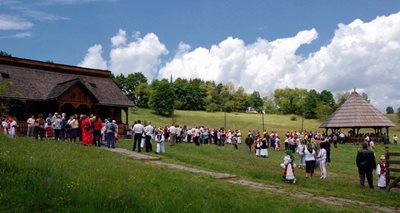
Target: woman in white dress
[[160, 141], [288, 167]]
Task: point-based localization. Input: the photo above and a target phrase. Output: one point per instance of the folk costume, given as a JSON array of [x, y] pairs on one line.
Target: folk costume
[[288, 167], [381, 172], [86, 131], [322, 162], [257, 146], [264, 148], [160, 142]]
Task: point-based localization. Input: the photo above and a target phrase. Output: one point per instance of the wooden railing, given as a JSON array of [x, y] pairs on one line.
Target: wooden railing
[[392, 180]]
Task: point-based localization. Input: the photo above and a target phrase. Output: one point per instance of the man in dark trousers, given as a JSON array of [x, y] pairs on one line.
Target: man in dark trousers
[[366, 164], [138, 130]]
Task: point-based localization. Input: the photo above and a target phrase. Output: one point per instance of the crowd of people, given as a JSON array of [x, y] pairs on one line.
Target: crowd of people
[[312, 148], [89, 130]]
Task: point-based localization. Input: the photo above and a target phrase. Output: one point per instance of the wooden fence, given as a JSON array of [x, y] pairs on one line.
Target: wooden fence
[[392, 169]]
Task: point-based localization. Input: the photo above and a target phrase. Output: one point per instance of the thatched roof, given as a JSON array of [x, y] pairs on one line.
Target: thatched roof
[[36, 80], [357, 113]]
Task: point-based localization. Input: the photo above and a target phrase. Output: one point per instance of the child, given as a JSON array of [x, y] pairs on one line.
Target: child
[[288, 167], [160, 141], [395, 139], [381, 171]]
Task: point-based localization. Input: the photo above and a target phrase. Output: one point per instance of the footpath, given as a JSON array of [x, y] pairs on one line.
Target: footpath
[[234, 179]]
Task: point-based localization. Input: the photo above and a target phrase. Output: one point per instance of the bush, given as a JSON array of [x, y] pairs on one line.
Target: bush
[[293, 118]]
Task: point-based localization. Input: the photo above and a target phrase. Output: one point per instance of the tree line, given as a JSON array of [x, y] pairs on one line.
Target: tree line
[[163, 96]]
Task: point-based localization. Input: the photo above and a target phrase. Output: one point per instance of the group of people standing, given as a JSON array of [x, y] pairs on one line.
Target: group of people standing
[[9, 126], [90, 130]]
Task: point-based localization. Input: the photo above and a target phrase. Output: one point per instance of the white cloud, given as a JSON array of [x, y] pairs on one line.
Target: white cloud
[[22, 35], [94, 58], [257, 66], [8, 22], [42, 16], [119, 39], [141, 55], [361, 55]]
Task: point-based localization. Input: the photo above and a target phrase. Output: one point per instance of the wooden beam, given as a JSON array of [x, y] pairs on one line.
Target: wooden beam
[[393, 169], [394, 161], [394, 153]]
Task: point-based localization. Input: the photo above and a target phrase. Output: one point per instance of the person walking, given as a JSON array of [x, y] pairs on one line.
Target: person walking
[[138, 130], [366, 164]]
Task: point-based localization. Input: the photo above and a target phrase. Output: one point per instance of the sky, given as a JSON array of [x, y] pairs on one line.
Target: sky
[[258, 44]]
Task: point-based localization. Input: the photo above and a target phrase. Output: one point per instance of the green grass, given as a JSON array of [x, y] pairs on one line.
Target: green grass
[[342, 178], [52, 176], [60, 177]]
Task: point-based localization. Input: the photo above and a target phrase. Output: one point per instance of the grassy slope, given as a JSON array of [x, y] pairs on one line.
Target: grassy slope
[[61, 177], [242, 121]]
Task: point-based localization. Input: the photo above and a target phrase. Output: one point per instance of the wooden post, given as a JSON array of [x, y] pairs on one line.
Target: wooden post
[[387, 167]]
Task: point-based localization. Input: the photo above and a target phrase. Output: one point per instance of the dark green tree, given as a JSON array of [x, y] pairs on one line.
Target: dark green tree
[[3, 53], [162, 97], [311, 102], [389, 110], [142, 94], [255, 101], [128, 84]]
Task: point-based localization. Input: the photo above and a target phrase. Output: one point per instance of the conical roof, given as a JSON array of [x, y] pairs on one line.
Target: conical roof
[[357, 112]]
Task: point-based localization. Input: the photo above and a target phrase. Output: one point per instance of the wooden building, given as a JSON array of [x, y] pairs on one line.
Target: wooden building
[[34, 87], [355, 114]]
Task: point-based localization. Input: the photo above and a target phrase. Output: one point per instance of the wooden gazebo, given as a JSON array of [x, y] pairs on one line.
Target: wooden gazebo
[[356, 113]]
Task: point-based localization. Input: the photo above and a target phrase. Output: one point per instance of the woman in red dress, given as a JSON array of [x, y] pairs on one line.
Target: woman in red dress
[[86, 131]]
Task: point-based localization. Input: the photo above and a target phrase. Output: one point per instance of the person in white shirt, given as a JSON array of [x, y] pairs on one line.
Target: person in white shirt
[[172, 134], [148, 131], [138, 130], [31, 126], [13, 128], [309, 157], [322, 162], [395, 139], [5, 126]]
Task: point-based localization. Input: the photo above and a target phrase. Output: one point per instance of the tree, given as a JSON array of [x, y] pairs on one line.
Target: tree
[[365, 97], [341, 97], [323, 111], [290, 101], [240, 100], [142, 93], [2, 53], [255, 101], [311, 102], [162, 97], [389, 110], [128, 84]]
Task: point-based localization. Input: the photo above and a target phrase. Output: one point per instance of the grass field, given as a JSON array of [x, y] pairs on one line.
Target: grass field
[[241, 121], [54, 176]]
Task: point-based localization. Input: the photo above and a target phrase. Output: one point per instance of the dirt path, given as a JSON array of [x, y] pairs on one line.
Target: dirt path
[[234, 179]]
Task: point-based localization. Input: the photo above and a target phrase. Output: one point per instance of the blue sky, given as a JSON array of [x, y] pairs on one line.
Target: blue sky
[[232, 38], [76, 25]]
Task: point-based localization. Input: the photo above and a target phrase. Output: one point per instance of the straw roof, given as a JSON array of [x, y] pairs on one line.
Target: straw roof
[[40, 81], [357, 113]]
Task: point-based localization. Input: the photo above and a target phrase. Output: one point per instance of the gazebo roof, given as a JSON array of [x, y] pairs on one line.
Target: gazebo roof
[[357, 113]]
